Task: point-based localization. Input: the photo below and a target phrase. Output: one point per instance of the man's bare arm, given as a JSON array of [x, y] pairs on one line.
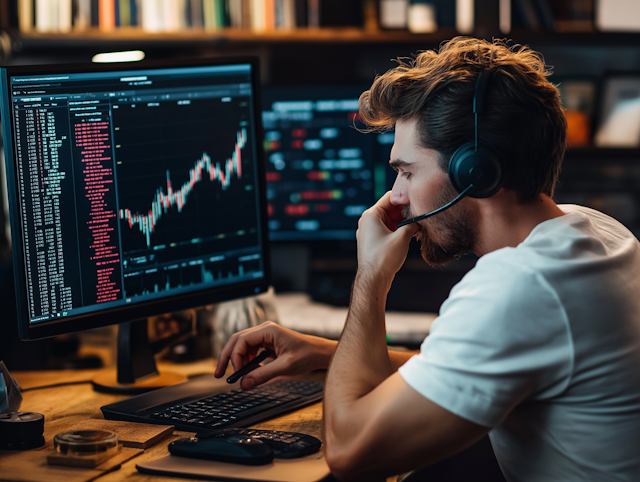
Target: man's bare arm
[[375, 423]]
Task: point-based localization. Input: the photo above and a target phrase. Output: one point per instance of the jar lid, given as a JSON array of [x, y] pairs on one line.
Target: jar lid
[[86, 442]]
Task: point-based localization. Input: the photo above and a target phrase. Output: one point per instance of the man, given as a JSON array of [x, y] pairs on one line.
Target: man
[[538, 345]]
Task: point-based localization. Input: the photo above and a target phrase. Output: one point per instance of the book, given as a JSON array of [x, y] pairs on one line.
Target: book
[[234, 7], [258, 15], [82, 20], [43, 15], [301, 13], [65, 16], [25, 15], [107, 15]]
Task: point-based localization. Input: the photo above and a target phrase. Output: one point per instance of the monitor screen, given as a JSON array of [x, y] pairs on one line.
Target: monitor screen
[[134, 190], [322, 173]]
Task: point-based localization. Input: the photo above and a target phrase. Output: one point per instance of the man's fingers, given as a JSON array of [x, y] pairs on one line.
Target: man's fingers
[[243, 346], [225, 356], [265, 373]]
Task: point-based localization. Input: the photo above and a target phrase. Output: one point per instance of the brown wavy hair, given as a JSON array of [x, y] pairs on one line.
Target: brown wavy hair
[[522, 116]]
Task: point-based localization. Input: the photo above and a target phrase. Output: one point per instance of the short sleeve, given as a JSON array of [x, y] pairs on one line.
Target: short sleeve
[[501, 337]]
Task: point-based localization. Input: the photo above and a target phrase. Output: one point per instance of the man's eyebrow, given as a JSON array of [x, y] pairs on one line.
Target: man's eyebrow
[[397, 163]]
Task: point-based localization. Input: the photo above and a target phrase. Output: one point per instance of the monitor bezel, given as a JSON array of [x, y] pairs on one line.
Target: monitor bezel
[[144, 309]]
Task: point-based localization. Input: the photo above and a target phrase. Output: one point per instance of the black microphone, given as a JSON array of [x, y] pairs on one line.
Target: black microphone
[[470, 188]]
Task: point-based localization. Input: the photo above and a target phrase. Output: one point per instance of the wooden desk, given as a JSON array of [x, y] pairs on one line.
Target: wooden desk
[[65, 406]]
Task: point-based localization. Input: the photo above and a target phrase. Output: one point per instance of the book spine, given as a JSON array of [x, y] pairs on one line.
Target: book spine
[[65, 16], [313, 13], [116, 12], [504, 20], [25, 15], [269, 7], [288, 14], [83, 17], [235, 13], [302, 15], [196, 14], [150, 16], [95, 13], [221, 14], [465, 16], [107, 18], [208, 14], [246, 14], [43, 16], [135, 13]]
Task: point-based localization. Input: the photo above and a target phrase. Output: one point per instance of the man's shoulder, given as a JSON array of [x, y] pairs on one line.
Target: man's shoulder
[[501, 281]]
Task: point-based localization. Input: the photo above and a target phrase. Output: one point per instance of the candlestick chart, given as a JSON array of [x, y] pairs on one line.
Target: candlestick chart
[[186, 177], [203, 170]]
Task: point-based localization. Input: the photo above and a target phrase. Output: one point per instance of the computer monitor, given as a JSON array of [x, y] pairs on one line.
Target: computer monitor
[[134, 190], [322, 173]]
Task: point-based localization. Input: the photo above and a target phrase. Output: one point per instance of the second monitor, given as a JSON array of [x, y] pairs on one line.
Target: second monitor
[[322, 172]]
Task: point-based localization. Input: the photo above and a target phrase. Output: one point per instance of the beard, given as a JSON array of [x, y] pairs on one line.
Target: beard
[[456, 228]]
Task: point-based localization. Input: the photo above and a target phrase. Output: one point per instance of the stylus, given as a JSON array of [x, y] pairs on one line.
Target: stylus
[[252, 365]]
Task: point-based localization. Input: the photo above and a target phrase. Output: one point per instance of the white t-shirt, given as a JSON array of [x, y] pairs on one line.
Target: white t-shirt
[[541, 343]]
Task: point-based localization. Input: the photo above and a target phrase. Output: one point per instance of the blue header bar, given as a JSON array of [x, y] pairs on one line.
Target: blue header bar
[[128, 74]]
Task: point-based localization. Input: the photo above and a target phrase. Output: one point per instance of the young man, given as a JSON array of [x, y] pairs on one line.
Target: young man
[[538, 345]]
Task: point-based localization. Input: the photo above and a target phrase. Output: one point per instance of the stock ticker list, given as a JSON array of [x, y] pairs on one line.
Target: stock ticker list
[[57, 223], [93, 148]]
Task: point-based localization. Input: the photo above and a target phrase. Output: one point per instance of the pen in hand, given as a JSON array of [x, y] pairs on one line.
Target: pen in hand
[[252, 365]]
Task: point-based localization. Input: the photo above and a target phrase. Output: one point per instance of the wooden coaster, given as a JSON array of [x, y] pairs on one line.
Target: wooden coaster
[[130, 434], [114, 463]]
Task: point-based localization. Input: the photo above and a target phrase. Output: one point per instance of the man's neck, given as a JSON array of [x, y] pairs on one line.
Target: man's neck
[[504, 221]]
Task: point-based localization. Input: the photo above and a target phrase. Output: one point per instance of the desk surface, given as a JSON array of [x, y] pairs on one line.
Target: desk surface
[[65, 406]]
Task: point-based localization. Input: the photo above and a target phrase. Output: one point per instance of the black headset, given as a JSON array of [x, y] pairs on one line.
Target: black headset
[[475, 170]]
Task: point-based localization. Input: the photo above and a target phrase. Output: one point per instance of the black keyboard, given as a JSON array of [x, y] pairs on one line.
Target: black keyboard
[[285, 445], [195, 406], [225, 409]]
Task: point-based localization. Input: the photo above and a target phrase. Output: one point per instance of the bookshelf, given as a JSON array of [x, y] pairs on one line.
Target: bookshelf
[[97, 37]]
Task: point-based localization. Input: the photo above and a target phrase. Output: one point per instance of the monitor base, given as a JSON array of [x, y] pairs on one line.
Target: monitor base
[[107, 382]]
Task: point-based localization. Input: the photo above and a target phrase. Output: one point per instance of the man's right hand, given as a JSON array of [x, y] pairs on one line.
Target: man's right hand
[[294, 353]]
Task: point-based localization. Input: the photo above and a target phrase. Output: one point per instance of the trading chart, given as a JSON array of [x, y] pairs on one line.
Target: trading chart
[[180, 178]]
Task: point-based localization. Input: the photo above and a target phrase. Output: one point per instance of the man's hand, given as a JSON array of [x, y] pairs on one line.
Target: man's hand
[[295, 353], [382, 248]]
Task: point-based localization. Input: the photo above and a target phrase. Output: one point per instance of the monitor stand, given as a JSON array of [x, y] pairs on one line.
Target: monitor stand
[[136, 367]]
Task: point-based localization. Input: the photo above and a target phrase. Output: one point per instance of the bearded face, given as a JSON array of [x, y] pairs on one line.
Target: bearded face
[[454, 228]]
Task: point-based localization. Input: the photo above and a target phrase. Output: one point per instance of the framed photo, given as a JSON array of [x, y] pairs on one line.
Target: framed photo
[[578, 98], [619, 111]]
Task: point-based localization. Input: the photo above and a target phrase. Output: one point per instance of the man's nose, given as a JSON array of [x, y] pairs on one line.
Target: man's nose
[[399, 193]]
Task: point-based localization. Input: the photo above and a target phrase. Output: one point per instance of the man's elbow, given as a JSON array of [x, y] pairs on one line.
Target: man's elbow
[[341, 464], [346, 464]]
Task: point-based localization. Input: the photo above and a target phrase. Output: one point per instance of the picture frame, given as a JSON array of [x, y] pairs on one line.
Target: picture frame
[[578, 97], [618, 116]]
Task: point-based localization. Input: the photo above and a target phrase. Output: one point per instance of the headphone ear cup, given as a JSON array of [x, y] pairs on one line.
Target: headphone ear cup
[[483, 168]]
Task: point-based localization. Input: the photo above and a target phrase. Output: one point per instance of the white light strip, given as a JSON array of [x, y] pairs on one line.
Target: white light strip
[[130, 56]]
